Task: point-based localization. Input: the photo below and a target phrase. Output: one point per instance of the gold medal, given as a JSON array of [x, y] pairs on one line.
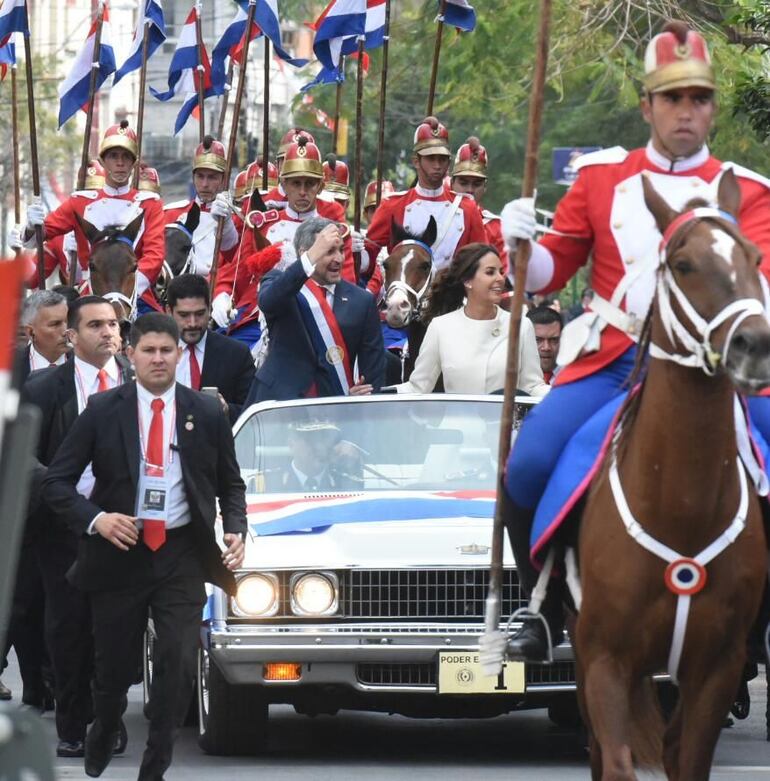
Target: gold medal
[[335, 355]]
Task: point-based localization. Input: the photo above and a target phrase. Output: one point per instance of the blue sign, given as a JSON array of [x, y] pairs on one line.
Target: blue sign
[[564, 158]]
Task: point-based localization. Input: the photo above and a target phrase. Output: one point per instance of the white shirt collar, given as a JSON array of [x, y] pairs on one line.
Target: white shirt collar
[[88, 372], [681, 164], [200, 347], [300, 217], [146, 397], [38, 361], [426, 193], [116, 190]]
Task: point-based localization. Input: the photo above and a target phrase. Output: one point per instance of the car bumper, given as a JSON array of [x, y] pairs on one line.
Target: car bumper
[[337, 655]]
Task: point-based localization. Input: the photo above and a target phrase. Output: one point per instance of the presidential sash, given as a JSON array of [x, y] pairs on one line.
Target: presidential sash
[[325, 336]]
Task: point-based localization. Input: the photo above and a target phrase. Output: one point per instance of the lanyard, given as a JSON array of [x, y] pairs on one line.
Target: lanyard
[[172, 437], [81, 387]]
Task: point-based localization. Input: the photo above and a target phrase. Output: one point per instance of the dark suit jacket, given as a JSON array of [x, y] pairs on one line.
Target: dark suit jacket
[[107, 435], [53, 391], [292, 364], [229, 366]]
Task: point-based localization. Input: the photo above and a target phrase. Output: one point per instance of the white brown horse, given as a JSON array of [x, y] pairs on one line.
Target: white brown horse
[[672, 553]]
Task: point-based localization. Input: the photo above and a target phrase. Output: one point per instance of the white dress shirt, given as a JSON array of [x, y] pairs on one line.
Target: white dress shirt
[[86, 384], [472, 356], [176, 500], [39, 361], [183, 367]]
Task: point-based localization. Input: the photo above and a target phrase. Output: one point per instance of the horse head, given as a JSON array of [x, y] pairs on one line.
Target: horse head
[[408, 272], [112, 264], [710, 307], [179, 239]]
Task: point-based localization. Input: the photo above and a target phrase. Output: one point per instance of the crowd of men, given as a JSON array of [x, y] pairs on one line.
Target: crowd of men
[[294, 308]]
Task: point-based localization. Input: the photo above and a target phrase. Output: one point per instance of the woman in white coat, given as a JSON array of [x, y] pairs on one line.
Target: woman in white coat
[[467, 336]]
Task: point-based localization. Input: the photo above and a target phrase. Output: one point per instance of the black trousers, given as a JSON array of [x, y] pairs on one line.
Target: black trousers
[[25, 628], [173, 592], [67, 632]]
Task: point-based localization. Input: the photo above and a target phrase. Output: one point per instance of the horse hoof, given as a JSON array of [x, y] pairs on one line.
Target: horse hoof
[[742, 705]]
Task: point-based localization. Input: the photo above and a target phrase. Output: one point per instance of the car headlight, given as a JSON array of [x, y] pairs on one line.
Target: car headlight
[[314, 594], [256, 595]]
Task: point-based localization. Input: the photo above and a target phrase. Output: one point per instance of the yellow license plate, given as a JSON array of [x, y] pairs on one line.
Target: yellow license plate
[[459, 672]]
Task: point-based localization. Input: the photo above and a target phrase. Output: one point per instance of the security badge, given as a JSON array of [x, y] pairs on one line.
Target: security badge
[[153, 490]]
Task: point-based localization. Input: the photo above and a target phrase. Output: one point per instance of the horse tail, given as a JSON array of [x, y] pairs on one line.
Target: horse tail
[[647, 726]]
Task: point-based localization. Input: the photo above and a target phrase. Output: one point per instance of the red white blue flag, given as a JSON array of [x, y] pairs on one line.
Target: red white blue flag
[[337, 30], [460, 14], [188, 64], [156, 34], [73, 91], [13, 19], [230, 45], [267, 19], [7, 58]]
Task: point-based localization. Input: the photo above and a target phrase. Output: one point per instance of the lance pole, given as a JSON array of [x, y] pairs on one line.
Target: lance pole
[[523, 250], [383, 94], [85, 155], [266, 115], [359, 148], [225, 100], [200, 71], [140, 110], [231, 140], [34, 159], [436, 55], [15, 142], [338, 105]]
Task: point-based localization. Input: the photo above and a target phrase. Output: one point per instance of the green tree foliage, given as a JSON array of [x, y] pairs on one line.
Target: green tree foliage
[[594, 83]]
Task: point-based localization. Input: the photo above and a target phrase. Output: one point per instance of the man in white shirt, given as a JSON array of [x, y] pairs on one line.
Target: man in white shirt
[[62, 393], [162, 455]]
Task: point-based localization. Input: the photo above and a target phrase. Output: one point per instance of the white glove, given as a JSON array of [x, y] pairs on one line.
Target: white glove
[[288, 256], [222, 206], [35, 214], [357, 240], [220, 309], [142, 283], [15, 238], [518, 221], [70, 242]]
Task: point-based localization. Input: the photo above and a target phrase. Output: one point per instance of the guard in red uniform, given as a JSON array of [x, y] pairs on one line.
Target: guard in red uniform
[[116, 203], [469, 176], [604, 216], [209, 164], [337, 180], [275, 197], [301, 180], [458, 220], [149, 179], [370, 197]]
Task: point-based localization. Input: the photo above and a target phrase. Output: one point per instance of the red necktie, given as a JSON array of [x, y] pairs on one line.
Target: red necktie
[[103, 383], [195, 369], [154, 534]]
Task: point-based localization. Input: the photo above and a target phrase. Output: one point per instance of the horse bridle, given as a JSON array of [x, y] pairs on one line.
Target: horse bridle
[[701, 354], [189, 262], [401, 284], [113, 296]]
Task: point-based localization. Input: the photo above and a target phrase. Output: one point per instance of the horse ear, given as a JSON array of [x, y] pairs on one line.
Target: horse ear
[[397, 232], [256, 204], [429, 235], [90, 231], [664, 215], [132, 229], [729, 193], [193, 218]]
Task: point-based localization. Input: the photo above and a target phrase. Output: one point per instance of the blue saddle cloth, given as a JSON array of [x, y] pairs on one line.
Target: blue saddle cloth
[[577, 466]]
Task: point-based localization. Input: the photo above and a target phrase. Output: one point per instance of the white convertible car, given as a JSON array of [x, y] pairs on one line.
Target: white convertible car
[[366, 570]]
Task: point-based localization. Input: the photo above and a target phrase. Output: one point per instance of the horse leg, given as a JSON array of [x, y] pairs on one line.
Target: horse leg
[[594, 749], [607, 702], [705, 702]]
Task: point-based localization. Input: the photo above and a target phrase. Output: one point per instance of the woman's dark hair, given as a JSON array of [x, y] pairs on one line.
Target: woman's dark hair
[[448, 289]]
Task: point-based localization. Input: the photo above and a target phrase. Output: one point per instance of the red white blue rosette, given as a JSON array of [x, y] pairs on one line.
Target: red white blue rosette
[[685, 577]]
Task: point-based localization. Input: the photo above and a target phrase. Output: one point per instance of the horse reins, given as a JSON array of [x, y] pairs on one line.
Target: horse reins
[[701, 354], [115, 295], [402, 284]]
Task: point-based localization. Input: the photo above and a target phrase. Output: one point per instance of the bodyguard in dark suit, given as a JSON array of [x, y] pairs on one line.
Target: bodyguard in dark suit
[[299, 363], [161, 456], [208, 359], [61, 393]]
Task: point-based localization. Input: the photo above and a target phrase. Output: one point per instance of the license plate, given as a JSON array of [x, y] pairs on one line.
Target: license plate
[[459, 672]]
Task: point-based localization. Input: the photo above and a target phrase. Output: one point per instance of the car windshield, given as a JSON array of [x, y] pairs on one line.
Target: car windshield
[[431, 444]]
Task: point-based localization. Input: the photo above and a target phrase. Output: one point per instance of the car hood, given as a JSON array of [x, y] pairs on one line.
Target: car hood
[[374, 530]]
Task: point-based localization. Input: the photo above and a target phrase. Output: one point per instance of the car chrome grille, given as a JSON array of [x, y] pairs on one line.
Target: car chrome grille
[[425, 674], [427, 593]]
